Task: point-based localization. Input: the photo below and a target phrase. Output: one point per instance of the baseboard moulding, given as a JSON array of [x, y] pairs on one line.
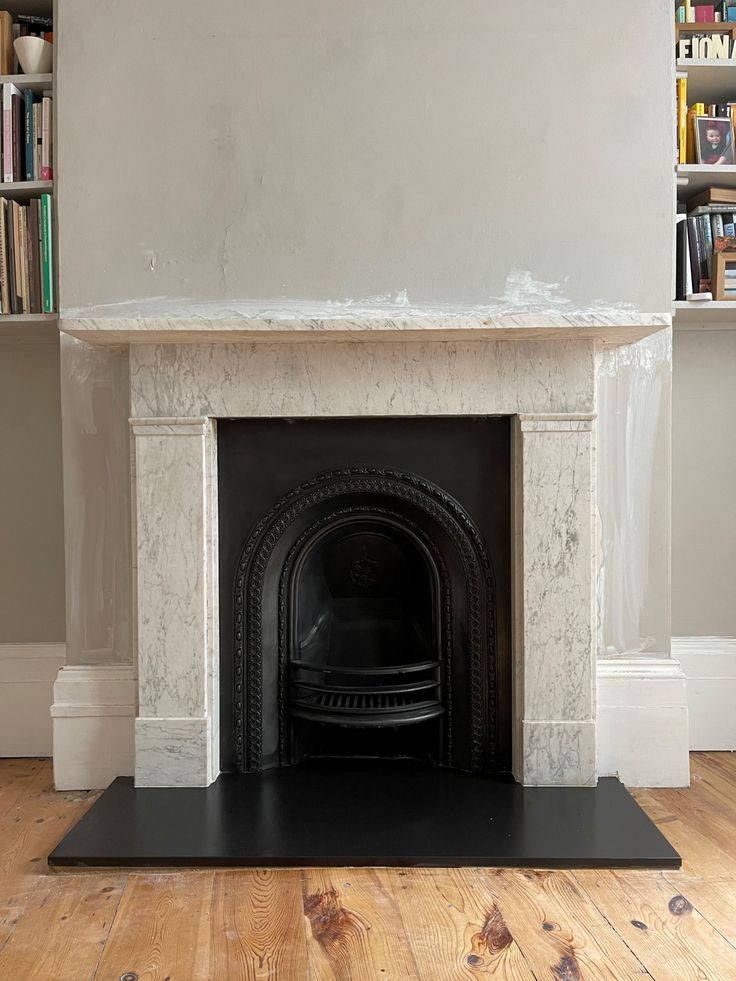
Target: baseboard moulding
[[93, 717], [643, 721], [709, 665], [27, 673]]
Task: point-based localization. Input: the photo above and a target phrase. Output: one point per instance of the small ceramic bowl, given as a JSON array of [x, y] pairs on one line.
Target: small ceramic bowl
[[34, 54]]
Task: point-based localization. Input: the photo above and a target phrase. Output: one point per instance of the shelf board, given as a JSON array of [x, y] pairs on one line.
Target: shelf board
[[711, 80], [700, 176], [28, 326], [37, 83], [704, 314], [25, 189]]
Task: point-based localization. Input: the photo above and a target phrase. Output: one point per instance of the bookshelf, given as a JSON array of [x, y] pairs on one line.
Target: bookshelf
[[708, 81], [31, 326]]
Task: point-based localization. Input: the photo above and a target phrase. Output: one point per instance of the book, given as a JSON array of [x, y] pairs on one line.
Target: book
[[705, 13], [34, 255], [28, 146], [47, 170], [7, 55], [681, 239], [8, 130], [695, 110], [35, 20], [37, 134], [714, 195], [24, 268], [47, 264], [682, 120], [707, 235], [709, 209], [17, 268], [4, 284], [695, 252]]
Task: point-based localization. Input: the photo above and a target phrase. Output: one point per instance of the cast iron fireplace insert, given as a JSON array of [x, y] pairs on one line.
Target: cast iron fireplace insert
[[365, 591]]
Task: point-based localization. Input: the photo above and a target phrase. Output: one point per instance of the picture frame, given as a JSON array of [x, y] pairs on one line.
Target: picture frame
[[724, 275], [714, 140]]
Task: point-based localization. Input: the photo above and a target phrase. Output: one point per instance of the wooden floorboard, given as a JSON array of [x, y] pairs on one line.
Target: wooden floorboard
[[355, 924]]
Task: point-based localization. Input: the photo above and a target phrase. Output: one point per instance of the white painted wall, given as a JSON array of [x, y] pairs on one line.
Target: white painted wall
[[31, 507], [704, 483]]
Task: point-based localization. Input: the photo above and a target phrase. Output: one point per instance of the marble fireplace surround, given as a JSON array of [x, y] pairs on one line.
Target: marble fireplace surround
[[185, 373]]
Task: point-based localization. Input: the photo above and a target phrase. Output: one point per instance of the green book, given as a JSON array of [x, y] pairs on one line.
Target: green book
[[47, 255]]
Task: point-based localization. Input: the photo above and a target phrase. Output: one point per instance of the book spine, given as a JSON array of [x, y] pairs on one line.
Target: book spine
[[6, 43], [47, 172], [34, 256], [680, 257], [17, 135], [17, 268], [28, 133], [47, 264], [682, 120], [729, 226], [695, 251], [25, 268], [706, 262], [7, 133], [4, 291], [37, 132]]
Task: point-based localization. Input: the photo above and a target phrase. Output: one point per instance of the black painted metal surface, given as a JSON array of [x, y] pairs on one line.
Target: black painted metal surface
[[366, 813]]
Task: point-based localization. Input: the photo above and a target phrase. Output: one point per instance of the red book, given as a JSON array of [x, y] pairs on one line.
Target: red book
[[705, 13]]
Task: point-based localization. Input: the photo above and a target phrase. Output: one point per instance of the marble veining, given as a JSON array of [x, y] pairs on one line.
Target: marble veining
[[559, 753], [177, 393], [610, 327], [557, 571], [171, 571], [172, 752], [362, 379]]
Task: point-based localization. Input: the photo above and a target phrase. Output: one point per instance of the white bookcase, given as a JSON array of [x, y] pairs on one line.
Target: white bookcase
[[707, 81], [31, 326]]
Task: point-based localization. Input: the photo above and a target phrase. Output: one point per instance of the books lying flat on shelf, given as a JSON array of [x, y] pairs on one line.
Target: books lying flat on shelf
[[26, 134], [26, 256]]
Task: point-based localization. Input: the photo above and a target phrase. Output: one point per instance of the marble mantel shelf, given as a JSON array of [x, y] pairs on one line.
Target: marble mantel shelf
[[207, 323]]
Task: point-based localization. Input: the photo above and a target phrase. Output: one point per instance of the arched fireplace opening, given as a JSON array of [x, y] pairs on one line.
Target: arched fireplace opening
[[365, 642]]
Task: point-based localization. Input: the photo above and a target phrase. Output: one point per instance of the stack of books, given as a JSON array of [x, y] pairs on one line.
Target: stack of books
[[26, 256], [709, 226], [26, 135]]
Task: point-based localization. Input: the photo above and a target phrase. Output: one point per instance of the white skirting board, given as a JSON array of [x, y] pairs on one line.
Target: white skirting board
[[709, 664], [27, 673], [643, 721], [93, 716]]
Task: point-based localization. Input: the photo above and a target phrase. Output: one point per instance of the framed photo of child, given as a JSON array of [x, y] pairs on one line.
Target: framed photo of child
[[714, 140]]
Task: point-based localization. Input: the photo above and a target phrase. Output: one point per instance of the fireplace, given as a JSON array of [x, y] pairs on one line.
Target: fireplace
[[365, 591]]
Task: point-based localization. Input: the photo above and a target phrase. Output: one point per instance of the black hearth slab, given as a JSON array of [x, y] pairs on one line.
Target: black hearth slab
[[365, 813]]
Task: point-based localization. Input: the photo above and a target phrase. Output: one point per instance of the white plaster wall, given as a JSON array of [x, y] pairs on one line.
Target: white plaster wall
[[31, 508], [340, 148], [704, 484]]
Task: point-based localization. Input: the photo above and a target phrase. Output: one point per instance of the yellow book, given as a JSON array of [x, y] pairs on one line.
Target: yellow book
[[696, 109], [689, 18], [682, 120]]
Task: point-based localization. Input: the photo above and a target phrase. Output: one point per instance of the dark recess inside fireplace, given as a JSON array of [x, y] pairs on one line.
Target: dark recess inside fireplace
[[365, 590]]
